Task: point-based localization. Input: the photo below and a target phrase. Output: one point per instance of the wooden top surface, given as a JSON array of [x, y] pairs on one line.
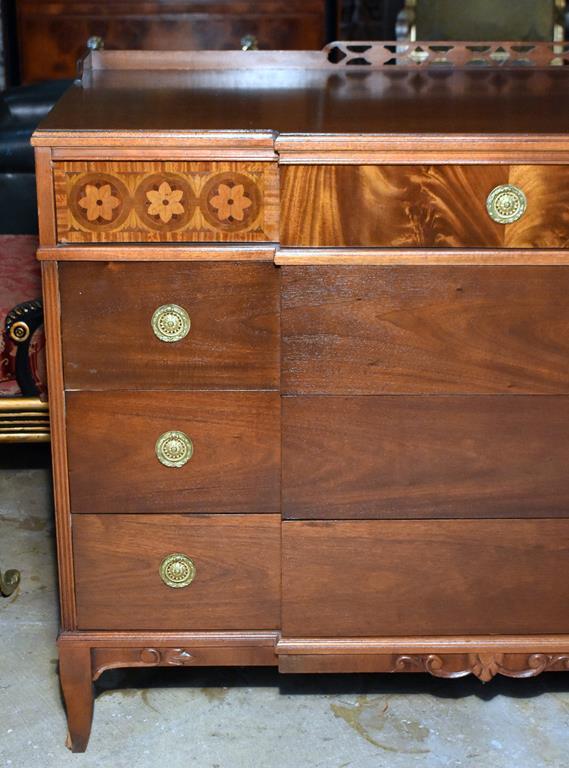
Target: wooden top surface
[[299, 93]]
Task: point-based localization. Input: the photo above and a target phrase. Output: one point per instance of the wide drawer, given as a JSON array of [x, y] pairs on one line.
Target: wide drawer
[[425, 457], [127, 452], [113, 315], [412, 329], [419, 206], [152, 201], [176, 572], [440, 577]]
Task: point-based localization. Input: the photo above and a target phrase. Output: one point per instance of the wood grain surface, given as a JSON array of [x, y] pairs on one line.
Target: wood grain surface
[[165, 201], [425, 457], [423, 206], [58, 437], [108, 339], [460, 329], [76, 679], [237, 582], [445, 577], [112, 460]]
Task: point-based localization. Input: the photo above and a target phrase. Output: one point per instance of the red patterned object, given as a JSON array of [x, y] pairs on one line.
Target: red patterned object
[[20, 280]]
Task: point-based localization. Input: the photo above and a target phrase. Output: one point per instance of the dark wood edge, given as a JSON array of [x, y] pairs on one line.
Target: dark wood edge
[[436, 644], [214, 145], [166, 649], [410, 149], [45, 196], [419, 256], [198, 639], [443, 657], [305, 149], [141, 152], [485, 666], [308, 256], [58, 444], [155, 251]]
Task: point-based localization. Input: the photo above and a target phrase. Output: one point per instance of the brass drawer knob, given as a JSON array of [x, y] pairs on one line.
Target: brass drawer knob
[[171, 322], [506, 204], [174, 449], [177, 570]]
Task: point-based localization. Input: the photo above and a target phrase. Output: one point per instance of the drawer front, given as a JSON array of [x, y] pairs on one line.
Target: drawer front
[[409, 329], [439, 577], [234, 570], [425, 457], [231, 447], [134, 202], [436, 206], [109, 341]]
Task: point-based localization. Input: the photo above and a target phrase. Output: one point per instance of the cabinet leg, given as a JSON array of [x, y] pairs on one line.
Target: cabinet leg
[[75, 676]]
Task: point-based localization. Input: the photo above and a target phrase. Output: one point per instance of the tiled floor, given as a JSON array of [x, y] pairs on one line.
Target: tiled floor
[[245, 718]]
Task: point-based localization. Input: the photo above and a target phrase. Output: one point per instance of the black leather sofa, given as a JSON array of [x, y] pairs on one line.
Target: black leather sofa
[[21, 109]]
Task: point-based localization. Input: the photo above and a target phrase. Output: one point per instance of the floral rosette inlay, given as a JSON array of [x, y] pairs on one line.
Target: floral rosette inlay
[[164, 201], [230, 201], [99, 201]]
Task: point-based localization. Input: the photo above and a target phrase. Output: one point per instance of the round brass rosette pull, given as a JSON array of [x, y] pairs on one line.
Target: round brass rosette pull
[[174, 449], [506, 204], [171, 322], [177, 571]]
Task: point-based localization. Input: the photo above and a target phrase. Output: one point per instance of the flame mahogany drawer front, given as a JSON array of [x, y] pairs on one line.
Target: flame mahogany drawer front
[[232, 325], [438, 577], [141, 201], [425, 206], [432, 329], [123, 576], [230, 443], [425, 457]]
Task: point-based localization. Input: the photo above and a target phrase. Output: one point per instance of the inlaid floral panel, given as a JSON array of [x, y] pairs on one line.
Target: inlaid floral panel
[[166, 201]]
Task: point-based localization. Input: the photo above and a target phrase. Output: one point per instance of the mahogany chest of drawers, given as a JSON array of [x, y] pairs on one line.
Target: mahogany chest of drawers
[[308, 335]]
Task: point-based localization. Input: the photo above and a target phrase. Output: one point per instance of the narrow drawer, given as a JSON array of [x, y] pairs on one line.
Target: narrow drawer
[[136, 202], [425, 206], [196, 452], [437, 577], [113, 317], [175, 572], [425, 457], [433, 330]]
